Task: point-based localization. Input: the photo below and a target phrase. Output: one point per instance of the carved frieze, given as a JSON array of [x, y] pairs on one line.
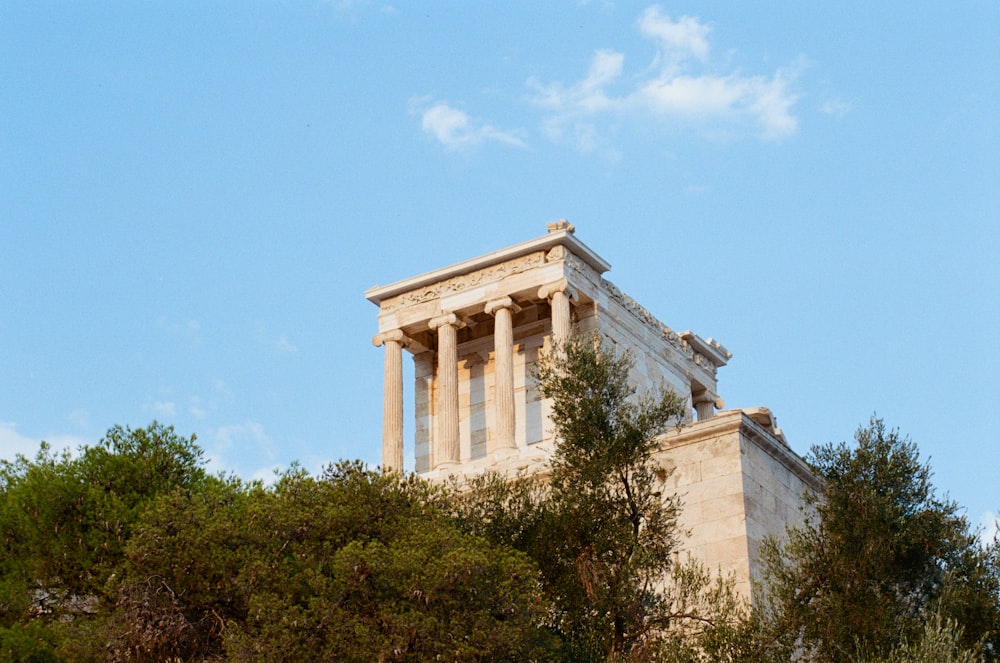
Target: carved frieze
[[459, 283], [668, 334], [575, 264]]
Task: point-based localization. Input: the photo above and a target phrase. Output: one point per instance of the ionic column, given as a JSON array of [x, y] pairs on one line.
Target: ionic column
[[392, 404], [704, 405], [559, 294], [446, 443], [503, 371]]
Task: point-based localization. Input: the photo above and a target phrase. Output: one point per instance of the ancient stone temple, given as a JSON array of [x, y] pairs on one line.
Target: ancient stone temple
[[476, 329]]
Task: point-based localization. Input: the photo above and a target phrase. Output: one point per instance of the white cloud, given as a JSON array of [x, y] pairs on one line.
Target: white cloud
[[691, 96], [836, 107], [61, 442], [250, 431], [587, 96], [164, 409], [266, 475], [455, 130], [284, 346], [188, 331], [988, 528], [231, 447], [13, 443], [79, 418], [679, 88], [197, 408], [681, 38]]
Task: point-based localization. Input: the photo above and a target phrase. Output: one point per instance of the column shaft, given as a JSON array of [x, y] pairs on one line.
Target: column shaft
[[446, 447], [503, 372], [559, 293], [392, 415], [560, 315], [392, 399]]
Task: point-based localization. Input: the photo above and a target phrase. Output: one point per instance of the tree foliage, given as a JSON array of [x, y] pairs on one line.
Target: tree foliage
[[878, 555], [613, 529], [601, 527], [65, 519], [354, 565], [940, 641], [129, 551]]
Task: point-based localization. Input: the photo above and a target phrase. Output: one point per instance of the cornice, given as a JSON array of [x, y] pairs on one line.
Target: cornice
[[559, 238], [737, 421]]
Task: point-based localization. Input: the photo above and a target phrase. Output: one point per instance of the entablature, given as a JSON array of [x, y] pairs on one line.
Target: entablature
[[527, 275], [537, 248]]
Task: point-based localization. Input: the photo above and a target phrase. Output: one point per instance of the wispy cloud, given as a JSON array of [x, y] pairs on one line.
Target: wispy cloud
[[454, 129], [587, 96], [219, 395], [79, 418], [284, 346], [188, 331], [679, 87], [836, 107], [197, 407], [988, 531], [13, 443], [280, 344], [680, 39], [227, 445], [61, 441], [162, 409]]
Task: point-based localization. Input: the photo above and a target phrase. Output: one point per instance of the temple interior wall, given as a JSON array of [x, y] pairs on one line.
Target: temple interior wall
[[476, 388]]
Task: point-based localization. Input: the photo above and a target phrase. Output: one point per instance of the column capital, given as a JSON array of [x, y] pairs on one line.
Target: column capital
[[706, 396], [703, 397], [446, 319], [562, 285], [494, 305], [396, 335], [706, 403]]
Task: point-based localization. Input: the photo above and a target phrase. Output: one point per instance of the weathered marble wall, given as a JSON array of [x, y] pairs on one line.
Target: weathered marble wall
[[738, 483]]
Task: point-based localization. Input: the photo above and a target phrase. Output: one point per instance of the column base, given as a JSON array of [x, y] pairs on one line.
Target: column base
[[505, 453], [448, 467]]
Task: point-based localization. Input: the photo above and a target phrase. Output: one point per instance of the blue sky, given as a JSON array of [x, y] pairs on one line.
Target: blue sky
[[195, 195]]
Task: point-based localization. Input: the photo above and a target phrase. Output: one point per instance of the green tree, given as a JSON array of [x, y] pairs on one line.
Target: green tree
[[65, 520], [940, 641], [878, 553], [600, 525], [613, 531], [180, 590], [354, 565]]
